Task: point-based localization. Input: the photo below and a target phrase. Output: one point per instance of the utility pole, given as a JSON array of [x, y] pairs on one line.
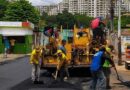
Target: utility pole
[[112, 14], [119, 34]]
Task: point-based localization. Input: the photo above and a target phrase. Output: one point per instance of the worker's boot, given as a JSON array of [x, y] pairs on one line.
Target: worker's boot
[[35, 81], [108, 83]]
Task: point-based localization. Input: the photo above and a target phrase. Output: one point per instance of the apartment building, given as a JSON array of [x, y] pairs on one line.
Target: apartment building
[[64, 5], [78, 6], [91, 8], [48, 9], [73, 6], [125, 6], [97, 7], [53, 11]]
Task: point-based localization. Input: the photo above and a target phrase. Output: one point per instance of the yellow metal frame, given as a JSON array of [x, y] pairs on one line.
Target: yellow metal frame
[[82, 42]]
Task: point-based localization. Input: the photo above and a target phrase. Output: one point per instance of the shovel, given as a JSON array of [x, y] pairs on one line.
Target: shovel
[[118, 78], [56, 74], [126, 83]]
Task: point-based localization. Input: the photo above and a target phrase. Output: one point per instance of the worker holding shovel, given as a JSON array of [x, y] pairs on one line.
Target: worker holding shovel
[[62, 65], [107, 67]]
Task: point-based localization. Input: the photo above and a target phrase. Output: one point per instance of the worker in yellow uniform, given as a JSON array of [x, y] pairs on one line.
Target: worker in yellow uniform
[[62, 65], [107, 66], [35, 61]]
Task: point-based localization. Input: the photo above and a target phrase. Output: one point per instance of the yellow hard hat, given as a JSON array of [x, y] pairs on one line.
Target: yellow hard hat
[[58, 51], [37, 49]]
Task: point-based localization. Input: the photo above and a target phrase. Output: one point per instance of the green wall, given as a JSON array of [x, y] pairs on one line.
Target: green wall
[[24, 48], [29, 42], [1, 45], [20, 48]]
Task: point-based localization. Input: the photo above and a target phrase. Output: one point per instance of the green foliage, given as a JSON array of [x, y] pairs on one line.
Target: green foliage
[[3, 6], [116, 24], [67, 20], [41, 23], [44, 15], [51, 20], [83, 20], [21, 10], [125, 20]]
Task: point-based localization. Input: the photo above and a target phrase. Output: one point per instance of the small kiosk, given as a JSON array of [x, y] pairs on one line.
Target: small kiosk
[[20, 32]]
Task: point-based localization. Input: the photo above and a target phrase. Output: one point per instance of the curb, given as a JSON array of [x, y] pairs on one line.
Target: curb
[[12, 60]]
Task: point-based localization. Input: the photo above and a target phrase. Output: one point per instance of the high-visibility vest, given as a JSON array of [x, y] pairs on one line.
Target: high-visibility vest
[[35, 58], [107, 63]]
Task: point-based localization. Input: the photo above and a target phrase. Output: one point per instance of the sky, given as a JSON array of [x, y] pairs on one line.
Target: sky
[[44, 2]]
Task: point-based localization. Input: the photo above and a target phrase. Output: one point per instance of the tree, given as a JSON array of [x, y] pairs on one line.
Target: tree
[[3, 6], [125, 21], [83, 20], [22, 10], [51, 20], [65, 19]]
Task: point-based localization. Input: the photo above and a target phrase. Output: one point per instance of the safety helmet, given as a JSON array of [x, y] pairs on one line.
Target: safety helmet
[[37, 49], [58, 51]]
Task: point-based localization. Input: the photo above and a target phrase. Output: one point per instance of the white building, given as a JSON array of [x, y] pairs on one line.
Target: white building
[[92, 7], [53, 11], [89, 7], [48, 8], [73, 6], [64, 5]]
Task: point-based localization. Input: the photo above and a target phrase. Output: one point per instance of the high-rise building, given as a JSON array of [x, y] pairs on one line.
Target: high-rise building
[[48, 9], [64, 5], [91, 8], [53, 11], [97, 7], [78, 6], [73, 6], [88, 7]]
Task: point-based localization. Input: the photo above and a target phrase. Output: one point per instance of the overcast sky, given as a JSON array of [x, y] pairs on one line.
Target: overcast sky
[[44, 2]]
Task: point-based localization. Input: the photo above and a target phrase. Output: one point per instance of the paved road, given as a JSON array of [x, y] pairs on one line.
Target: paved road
[[16, 76], [13, 73]]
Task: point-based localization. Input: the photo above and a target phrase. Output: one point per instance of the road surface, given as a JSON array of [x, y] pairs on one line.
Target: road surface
[[15, 75]]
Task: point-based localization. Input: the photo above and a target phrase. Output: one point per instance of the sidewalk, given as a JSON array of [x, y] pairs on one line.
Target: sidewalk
[[11, 57], [121, 69], [124, 75]]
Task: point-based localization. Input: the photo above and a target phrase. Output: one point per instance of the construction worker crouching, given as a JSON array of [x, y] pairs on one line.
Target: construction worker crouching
[[35, 61], [62, 65]]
